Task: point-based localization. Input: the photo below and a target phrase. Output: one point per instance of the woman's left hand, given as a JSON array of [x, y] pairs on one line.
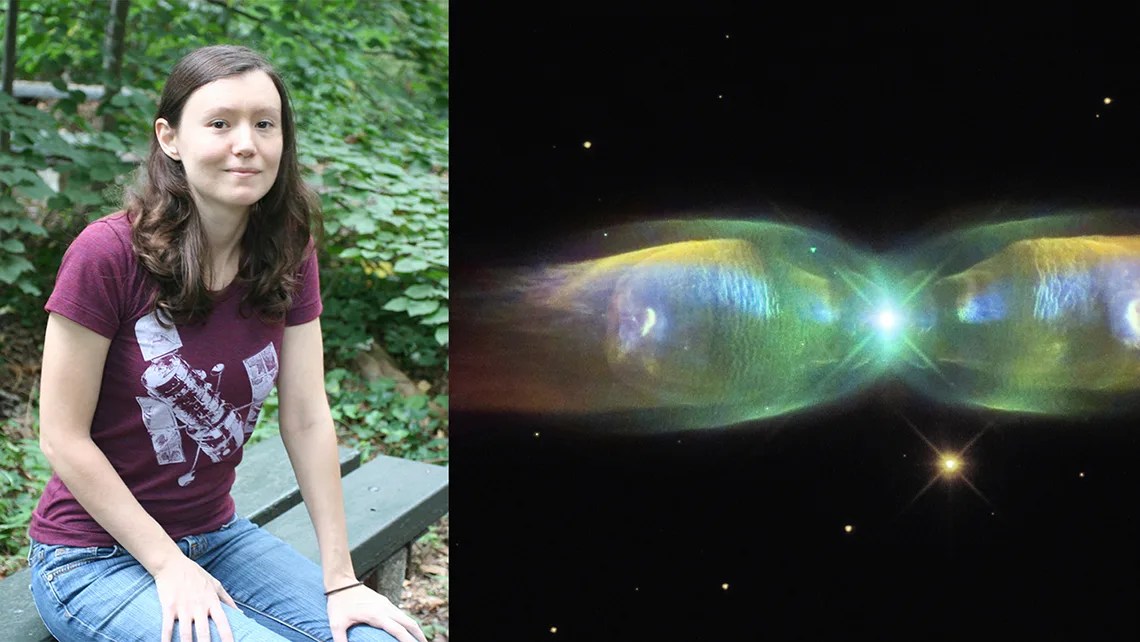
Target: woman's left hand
[[362, 605]]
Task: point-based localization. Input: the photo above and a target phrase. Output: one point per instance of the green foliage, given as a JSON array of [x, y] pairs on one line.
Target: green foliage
[[23, 473], [387, 235], [415, 346], [372, 416], [375, 419]]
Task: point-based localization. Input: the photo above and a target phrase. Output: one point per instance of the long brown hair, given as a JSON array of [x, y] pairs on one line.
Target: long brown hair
[[166, 231]]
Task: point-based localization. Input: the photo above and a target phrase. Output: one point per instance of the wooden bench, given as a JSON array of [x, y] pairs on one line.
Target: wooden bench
[[389, 503]]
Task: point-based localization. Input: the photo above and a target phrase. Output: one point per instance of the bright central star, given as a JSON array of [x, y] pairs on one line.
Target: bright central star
[[887, 319], [950, 464]]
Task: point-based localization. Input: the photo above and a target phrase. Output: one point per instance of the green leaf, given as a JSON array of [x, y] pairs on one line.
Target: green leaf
[[11, 267], [390, 169], [19, 176], [9, 204], [409, 264], [440, 316], [398, 304], [29, 226], [360, 221], [420, 308], [441, 335], [420, 291], [38, 190], [103, 173], [12, 245]]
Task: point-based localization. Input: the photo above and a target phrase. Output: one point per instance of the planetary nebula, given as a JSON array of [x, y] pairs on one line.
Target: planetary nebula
[[1048, 325], [708, 322]]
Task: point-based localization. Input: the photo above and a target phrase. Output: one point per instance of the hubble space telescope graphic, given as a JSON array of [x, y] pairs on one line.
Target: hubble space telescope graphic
[[181, 397]]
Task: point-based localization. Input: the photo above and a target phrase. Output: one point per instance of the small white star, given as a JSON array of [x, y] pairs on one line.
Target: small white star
[[1107, 100], [587, 144], [554, 629], [848, 528], [724, 587]]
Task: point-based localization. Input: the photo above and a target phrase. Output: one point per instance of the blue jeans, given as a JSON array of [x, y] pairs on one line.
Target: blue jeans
[[103, 593]]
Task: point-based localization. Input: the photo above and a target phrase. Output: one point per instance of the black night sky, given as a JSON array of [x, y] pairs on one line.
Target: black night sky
[[879, 124]]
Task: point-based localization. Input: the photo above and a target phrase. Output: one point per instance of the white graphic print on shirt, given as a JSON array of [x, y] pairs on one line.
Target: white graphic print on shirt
[[182, 397], [261, 369]]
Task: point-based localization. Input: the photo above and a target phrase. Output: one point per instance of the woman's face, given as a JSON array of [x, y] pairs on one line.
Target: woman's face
[[229, 141]]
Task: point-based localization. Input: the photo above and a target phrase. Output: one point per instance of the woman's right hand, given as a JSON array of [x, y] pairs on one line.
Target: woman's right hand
[[192, 597]]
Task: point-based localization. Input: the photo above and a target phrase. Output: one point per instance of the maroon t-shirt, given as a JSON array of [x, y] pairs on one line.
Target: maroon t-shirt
[[176, 405]]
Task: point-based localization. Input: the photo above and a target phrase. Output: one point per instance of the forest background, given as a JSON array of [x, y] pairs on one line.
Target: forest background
[[369, 84]]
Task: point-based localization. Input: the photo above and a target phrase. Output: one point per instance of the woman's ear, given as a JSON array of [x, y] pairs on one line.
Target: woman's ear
[[166, 136]]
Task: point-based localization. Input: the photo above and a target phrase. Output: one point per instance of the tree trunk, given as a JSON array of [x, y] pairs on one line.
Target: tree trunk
[[113, 45], [9, 61]]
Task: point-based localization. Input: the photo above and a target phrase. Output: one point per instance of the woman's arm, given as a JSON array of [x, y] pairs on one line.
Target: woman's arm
[[310, 439], [69, 390], [70, 381]]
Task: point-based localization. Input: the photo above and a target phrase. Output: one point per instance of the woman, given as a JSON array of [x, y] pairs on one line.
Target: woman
[[168, 326]]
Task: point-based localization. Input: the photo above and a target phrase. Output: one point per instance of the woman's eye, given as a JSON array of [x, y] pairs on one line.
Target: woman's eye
[[264, 124], [218, 124]]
